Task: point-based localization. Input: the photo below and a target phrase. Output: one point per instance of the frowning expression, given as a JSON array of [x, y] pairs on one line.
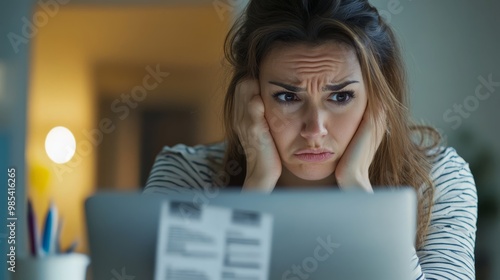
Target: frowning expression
[[314, 98]]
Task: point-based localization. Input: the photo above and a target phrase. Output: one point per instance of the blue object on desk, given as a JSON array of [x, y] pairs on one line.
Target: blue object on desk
[[50, 231]]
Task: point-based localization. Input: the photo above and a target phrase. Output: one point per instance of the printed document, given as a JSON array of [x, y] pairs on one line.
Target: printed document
[[205, 242]]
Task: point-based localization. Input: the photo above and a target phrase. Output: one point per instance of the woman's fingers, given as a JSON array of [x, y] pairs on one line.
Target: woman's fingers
[[249, 110], [244, 91]]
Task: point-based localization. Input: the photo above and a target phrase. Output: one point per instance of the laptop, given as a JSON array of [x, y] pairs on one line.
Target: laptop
[[371, 236]]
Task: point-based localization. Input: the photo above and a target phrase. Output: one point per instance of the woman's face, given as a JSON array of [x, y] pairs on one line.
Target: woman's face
[[314, 99]]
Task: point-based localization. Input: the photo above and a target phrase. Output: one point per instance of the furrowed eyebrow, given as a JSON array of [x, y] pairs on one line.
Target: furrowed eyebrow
[[292, 88], [288, 87], [338, 86]]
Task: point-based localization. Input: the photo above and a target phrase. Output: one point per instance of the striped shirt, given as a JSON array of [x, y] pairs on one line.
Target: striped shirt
[[448, 249]]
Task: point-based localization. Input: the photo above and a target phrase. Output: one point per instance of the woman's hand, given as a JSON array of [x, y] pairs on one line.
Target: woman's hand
[[352, 170], [263, 161]]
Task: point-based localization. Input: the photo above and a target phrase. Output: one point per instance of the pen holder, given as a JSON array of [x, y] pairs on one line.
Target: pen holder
[[54, 267]]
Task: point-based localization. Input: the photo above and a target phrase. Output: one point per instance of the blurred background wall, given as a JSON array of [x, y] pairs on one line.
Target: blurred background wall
[[127, 77], [112, 75]]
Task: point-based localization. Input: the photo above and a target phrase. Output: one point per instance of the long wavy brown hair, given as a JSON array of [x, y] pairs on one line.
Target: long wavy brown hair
[[403, 158]]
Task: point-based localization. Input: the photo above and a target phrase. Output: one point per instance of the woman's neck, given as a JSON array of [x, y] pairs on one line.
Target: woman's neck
[[289, 180]]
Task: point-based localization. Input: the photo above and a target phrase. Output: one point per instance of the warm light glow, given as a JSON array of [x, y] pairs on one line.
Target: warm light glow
[[60, 144]]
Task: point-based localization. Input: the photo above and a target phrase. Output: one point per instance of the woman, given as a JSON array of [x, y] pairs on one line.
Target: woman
[[318, 98]]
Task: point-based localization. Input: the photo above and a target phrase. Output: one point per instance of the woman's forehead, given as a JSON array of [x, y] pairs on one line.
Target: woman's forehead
[[306, 60]]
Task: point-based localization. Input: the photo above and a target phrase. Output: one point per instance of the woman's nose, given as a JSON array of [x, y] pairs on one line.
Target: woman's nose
[[314, 125]]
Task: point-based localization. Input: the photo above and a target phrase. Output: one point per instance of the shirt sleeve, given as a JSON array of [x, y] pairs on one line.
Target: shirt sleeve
[[182, 169], [448, 249]]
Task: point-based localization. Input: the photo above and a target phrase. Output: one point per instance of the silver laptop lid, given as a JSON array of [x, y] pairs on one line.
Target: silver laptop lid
[[359, 235]]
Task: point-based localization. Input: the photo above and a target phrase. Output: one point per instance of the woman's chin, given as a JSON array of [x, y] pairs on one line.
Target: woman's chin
[[313, 177], [312, 174]]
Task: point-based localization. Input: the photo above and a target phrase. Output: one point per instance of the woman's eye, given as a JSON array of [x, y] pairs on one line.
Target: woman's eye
[[342, 97], [285, 97]]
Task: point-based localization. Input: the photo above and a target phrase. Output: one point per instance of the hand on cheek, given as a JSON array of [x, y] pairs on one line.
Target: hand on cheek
[[352, 169], [262, 158]]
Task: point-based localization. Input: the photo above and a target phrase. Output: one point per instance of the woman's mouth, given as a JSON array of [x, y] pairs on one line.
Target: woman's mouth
[[314, 155]]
